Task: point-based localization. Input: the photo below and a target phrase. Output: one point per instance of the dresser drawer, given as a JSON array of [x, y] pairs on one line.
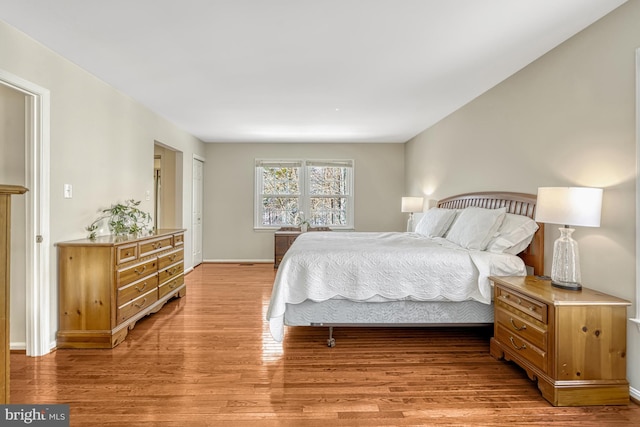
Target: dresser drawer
[[149, 247], [526, 305], [170, 272], [524, 328], [126, 253], [178, 240], [136, 289], [136, 272], [171, 285], [134, 307], [170, 258], [522, 347]]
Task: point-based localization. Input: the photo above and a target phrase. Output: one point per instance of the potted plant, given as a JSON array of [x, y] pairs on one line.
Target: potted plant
[[123, 219]]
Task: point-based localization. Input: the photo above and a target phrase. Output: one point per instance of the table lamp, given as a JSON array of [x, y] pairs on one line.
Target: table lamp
[[411, 205], [569, 206]]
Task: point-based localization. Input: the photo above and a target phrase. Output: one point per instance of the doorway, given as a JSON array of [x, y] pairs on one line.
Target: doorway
[[36, 248], [167, 194]]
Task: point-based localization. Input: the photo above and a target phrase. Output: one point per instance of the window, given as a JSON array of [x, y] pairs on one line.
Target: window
[[289, 192]]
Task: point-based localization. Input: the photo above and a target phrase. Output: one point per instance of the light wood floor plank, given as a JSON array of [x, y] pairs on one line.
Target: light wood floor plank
[[208, 360]]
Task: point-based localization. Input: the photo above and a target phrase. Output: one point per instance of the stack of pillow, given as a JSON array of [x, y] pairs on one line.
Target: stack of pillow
[[481, 229]]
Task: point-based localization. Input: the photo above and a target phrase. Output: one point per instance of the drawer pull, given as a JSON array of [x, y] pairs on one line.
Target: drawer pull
[[173, 285], [523, 347], [516, 327], [156, 245], [144, 267], [532, 308], [173, 257], [144, 302], [144, 285]]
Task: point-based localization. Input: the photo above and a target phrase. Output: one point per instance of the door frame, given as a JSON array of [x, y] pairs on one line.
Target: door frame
[[37, 181], [196, 239]]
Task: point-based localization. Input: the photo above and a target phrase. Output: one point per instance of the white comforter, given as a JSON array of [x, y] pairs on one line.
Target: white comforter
[[381, 266]]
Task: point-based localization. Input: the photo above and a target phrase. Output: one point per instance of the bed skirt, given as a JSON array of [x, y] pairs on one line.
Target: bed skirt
[[392, 313]]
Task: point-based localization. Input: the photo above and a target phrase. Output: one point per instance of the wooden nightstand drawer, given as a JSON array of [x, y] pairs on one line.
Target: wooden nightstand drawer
[[524, 328], [522, 348], [526, 305]]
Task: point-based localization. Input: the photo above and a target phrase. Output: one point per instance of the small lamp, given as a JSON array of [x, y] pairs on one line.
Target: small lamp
[[570, 206], [411, 205]]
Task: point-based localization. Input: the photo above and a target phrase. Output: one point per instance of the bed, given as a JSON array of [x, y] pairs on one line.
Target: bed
[[435, 276]]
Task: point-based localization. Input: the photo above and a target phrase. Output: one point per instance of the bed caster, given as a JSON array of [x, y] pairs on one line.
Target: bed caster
[[331, 342]]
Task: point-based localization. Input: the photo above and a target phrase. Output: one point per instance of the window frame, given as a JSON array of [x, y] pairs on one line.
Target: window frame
[[304, 186]]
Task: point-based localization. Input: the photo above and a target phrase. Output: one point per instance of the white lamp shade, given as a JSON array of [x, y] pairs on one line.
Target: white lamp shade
[[575, 206], [412, 204]]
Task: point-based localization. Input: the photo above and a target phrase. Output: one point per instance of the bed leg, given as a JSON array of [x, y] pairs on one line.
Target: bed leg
[[331, 342]]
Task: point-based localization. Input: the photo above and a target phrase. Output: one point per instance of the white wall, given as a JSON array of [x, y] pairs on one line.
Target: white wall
[[229, 192], [566, 119], [102, 142]]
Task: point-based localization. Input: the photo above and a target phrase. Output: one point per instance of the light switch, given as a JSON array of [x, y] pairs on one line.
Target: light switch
[[147, 195], [68, 191]]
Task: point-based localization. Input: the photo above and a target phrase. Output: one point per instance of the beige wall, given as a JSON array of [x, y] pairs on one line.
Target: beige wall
[[229, 192], [567, 119], [102, 142]]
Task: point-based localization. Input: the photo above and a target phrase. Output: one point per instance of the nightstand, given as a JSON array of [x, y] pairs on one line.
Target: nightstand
[[572, 342], [283, 239]]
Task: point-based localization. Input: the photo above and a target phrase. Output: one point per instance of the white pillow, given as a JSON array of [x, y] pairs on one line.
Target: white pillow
[[514, 235], [435, 222], [475, 227]]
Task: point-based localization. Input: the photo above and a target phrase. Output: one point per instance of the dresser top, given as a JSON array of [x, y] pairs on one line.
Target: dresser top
[[542, 290], [112, 240]]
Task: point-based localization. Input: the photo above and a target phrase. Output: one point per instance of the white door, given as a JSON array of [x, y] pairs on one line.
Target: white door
[[198, 172]]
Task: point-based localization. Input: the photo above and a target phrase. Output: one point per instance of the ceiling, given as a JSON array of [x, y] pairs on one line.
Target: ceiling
[[303, 70]]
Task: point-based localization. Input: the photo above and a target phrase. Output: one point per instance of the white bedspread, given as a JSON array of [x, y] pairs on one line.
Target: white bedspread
[[368, 266]]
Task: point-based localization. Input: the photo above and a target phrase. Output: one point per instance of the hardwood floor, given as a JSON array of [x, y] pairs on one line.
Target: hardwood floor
[[208, 360]]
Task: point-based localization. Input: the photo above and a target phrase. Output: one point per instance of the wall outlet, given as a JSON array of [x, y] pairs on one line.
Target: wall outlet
[[68, 191]]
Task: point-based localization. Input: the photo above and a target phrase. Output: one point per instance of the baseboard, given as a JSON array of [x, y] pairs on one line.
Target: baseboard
[[635, 395], [18, 346], [239, 261]]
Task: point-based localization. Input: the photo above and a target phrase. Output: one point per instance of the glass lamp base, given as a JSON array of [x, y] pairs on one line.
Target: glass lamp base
[[410, 222], [565, 271], [567, 285]]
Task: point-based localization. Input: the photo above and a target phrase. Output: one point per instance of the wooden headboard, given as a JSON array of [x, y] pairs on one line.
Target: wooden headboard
[[516, 203]]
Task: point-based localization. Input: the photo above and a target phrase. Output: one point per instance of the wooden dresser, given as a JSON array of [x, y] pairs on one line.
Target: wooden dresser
[[572, 342], [106, 285], [6, 191]]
